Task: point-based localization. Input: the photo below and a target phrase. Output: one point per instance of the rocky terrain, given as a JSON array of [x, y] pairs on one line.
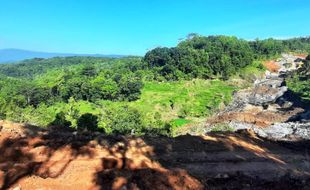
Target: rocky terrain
[[269, 108]]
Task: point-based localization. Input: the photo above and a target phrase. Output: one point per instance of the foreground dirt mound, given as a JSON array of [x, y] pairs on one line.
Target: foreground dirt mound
[[58, 159]]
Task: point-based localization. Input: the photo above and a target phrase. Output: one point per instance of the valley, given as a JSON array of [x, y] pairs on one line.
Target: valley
[[187, 117], [264, 147], [154, 95]]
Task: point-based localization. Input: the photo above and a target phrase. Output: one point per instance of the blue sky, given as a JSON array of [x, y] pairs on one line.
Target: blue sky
[[135, 26]]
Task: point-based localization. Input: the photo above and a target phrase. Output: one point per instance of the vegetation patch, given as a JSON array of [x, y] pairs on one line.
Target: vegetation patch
[[221, 127], [181, 99], [166, 89], [180, 122], [299, 83]]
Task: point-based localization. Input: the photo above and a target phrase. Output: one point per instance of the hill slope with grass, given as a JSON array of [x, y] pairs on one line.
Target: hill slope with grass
[[124, 123], [166, 89]]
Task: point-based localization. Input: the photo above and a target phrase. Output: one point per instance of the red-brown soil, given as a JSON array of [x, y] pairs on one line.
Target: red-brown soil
[[272, 66], [61, 159], [258, 117], [301, 55]]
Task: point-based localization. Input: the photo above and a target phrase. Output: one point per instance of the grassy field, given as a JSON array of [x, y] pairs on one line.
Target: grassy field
[[186, 98], [179, 103]]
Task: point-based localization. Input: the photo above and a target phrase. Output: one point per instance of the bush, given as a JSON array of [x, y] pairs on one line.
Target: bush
[[88, 121], [124, 120], [60, 120], [165, 129]]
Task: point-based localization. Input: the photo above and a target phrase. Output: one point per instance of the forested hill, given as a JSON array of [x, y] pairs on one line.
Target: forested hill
[[200, 56], [13, 55], [130, 94], [32, 67], [197, 56]]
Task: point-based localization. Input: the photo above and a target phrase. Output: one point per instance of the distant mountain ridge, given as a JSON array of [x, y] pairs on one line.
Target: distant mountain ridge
[[13, 55]]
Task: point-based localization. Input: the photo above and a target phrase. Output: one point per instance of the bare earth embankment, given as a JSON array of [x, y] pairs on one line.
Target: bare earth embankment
[[55, 159]]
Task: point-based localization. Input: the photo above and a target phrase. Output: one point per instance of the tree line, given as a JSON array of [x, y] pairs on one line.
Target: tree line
[[216, 56], [46, 91]]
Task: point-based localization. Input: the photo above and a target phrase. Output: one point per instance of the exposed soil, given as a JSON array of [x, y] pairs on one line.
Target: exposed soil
[[272, 66], [301, 55], [256, 116], [57, 159], [267, 102]]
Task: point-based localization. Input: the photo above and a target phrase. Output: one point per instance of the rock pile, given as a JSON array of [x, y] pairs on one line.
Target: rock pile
[[278, 131], [267, 95], [267, 91], [286, 131]]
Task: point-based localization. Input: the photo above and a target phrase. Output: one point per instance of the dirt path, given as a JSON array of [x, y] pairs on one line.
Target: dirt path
[[66, 160]]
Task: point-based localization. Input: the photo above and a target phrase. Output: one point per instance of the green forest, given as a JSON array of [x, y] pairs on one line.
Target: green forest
[[155, 94]]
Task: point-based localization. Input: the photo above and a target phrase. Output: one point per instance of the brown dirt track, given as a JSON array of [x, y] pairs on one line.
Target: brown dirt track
[[56, 159]]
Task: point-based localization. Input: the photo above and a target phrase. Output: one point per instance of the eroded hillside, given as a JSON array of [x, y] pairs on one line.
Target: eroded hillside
[[269, 107]]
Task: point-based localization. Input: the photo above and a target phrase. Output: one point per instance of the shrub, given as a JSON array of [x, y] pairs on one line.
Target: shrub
[[124, 120], [88, 121], [60, 120]]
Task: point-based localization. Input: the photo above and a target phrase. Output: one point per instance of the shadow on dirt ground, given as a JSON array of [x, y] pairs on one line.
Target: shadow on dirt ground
[[217, 161], [297, 102], [63, 159], [37, 152]]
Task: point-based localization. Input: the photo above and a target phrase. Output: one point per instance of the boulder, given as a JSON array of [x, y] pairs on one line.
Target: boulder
[[278, 131], [265, 95], [285, 131]]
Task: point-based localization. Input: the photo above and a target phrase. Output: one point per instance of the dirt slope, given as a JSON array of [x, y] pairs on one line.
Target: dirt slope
[[56, 159]]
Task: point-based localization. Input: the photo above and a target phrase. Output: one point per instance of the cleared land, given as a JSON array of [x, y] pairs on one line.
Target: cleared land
[[33, 158]]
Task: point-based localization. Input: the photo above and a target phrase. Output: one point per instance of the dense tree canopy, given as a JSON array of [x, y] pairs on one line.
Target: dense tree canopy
[[206, 57], [202, 57], [59, 91]]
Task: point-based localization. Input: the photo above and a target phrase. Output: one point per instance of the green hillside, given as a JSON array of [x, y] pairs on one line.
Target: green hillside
[[166, 89]]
